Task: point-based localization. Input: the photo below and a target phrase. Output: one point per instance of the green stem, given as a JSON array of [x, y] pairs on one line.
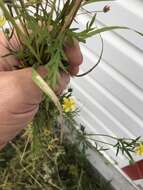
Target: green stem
[[70, 17], [102, 135], [10, 18], [20, 34], [24, 151], [101, 142], [23, 24], [31, 176], [80, 179]]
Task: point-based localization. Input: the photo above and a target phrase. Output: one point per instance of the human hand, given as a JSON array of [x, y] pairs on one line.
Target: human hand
[[19, 96]]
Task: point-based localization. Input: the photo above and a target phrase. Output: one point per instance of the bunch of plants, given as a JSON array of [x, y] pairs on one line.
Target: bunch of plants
[[55, 165], [42, 157]]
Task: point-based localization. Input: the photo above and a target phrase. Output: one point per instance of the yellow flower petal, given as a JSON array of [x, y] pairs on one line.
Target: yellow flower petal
[[69, 104], [2, 21], [139, 150]]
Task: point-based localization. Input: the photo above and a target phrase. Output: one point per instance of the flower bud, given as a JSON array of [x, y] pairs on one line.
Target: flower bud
[[106, 8]]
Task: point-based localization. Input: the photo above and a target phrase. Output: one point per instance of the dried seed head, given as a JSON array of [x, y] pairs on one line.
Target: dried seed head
[[106, 9]]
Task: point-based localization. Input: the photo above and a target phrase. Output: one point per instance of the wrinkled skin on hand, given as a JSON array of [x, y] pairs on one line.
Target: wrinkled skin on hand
[[19, 96]]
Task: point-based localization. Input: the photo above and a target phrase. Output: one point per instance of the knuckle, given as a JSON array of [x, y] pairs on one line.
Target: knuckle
[[77, 59]]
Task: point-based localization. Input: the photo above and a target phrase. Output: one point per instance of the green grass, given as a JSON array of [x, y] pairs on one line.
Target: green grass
[[55, 167]]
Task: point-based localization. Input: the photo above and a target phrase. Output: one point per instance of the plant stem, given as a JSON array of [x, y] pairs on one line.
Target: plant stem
[[28, 172], [70, 17], [103, 135], [100, 141], [10, 18], [24, 151], [23, 22], [80, 179]]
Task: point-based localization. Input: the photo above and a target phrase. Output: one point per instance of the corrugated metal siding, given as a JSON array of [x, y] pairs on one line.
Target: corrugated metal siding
[[111, 97]]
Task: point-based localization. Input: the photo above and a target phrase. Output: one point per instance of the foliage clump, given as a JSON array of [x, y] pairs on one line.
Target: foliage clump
[[41, 157], [56, 167]]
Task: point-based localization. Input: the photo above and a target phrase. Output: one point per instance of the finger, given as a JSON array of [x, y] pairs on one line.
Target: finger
[[63, 80], [30, 93], [74, 56], [42, 71], [73, 70], [6, 63]]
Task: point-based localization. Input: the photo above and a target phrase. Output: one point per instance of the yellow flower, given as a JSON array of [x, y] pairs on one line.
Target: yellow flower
[[51, 147], [47, 132], [2, 21], [139, 150], [69, 104]]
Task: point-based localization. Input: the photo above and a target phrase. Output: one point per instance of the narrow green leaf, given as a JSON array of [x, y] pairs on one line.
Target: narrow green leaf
[[92, 20], [46, 89], [105, 29], [10, 18], [117, 152]]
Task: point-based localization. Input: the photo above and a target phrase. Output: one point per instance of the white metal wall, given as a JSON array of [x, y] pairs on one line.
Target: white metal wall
[[111, 97]]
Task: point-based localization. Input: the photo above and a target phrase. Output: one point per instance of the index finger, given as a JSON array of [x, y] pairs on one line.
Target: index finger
[[74, 56]]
